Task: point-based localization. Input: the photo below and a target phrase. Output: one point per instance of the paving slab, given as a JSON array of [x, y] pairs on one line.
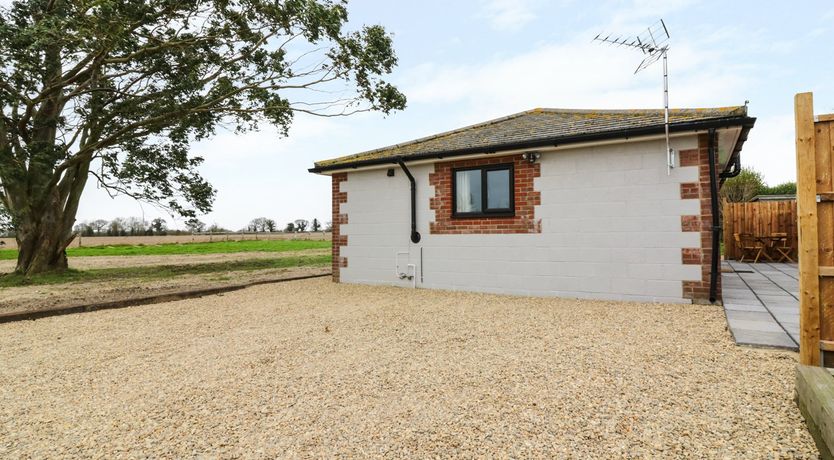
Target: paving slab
[[760, 303], [764, 339], [753, 321], [744, 307]]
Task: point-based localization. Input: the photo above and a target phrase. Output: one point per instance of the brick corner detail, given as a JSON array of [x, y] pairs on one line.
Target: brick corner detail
[[339, 239], [698, 291]]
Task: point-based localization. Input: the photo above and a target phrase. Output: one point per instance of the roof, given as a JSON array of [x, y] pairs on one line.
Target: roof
[[541, 128]]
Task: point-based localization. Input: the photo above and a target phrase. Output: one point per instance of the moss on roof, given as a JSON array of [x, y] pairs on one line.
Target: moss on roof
[[533, 125]]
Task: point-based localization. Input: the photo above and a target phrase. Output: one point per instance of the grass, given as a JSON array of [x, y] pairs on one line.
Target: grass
[[163, 271], [218, 247]]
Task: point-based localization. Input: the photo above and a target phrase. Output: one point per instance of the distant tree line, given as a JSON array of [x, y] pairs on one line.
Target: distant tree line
[[750, 183], [124, 226], [135, 226], [263, 224]]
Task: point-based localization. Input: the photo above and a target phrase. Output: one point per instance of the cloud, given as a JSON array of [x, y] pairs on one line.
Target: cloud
[[576, 75], [509, 15], [771, 150], [639, 14], [579, 74]]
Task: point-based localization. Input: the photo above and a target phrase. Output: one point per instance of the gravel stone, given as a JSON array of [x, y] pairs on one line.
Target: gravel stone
[[316, 369]]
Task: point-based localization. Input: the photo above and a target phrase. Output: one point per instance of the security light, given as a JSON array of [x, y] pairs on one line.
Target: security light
[[531, 157]]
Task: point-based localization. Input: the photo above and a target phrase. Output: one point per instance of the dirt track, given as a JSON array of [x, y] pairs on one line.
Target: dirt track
[[312, 369], [24, 298]]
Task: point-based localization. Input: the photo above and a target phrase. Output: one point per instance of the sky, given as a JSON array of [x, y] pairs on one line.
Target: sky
[[464, 62]]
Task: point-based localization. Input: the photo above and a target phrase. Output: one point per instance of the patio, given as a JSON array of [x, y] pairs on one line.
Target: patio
[[762, 304]]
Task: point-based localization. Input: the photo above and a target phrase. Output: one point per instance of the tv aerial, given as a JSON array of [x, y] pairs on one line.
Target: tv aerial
[[654, 43]]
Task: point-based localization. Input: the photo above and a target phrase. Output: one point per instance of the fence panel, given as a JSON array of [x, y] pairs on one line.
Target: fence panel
[[760, 218]]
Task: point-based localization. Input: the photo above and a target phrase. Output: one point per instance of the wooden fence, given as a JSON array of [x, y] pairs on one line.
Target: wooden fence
[[760, 218]]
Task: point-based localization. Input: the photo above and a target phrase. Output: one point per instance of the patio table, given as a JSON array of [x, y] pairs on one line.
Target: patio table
[[770, 244]]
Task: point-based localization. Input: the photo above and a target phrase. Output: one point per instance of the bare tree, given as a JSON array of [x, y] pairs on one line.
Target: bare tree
[[301, 225], [217, 228], [261, 224], [84, 229], [195, 225], [99, 225], [116, 227], [135, 226], [159, 226]]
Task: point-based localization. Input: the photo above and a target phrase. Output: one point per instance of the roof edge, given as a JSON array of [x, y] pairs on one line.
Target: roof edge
[[723, 122], [742, 138]]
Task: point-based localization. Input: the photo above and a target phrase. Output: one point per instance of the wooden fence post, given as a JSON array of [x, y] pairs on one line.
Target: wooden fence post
[[806, 204]]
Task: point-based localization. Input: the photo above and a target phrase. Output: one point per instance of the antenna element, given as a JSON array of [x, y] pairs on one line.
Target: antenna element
[[654, 43]]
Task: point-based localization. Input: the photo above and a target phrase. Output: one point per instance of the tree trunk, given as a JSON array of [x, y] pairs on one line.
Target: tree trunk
[[43, 200], [42, 241], [44, 231]]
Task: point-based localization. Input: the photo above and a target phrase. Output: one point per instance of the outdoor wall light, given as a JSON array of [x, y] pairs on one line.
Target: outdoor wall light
[[531, 157], [390, 172]]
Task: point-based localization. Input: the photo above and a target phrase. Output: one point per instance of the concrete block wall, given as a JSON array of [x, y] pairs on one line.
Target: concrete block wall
[[611, 228]]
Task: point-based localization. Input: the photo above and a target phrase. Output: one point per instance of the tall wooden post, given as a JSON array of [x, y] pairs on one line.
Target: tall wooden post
[[806, 204]]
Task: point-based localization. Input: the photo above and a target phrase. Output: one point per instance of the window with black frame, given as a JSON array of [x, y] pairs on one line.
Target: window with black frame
[[483, 191]]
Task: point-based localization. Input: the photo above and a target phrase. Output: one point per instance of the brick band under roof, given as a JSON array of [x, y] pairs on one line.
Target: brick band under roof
[[543, 126]]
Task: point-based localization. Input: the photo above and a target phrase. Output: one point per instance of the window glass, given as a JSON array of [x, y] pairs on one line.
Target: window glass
[[468, 191], [498, 189]]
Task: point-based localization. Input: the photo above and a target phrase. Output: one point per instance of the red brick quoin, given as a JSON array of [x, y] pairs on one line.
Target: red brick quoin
[[524, 220], [339, 240], [699, 290]]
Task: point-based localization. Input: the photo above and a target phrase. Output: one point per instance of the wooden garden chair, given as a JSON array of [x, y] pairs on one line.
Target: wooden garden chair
[[747, 245], [784, 248]]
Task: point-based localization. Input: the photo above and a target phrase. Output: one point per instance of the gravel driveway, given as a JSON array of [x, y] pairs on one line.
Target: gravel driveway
[[314, 369]]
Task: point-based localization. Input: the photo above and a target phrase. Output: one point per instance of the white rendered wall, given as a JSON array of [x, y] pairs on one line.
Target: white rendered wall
[[611, 229]]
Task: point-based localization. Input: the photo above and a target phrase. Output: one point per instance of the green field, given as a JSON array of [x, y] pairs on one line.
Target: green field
[[164, 271], [219, 247]]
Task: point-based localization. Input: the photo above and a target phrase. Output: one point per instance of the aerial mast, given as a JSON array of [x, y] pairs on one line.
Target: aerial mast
[[654, 43]]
